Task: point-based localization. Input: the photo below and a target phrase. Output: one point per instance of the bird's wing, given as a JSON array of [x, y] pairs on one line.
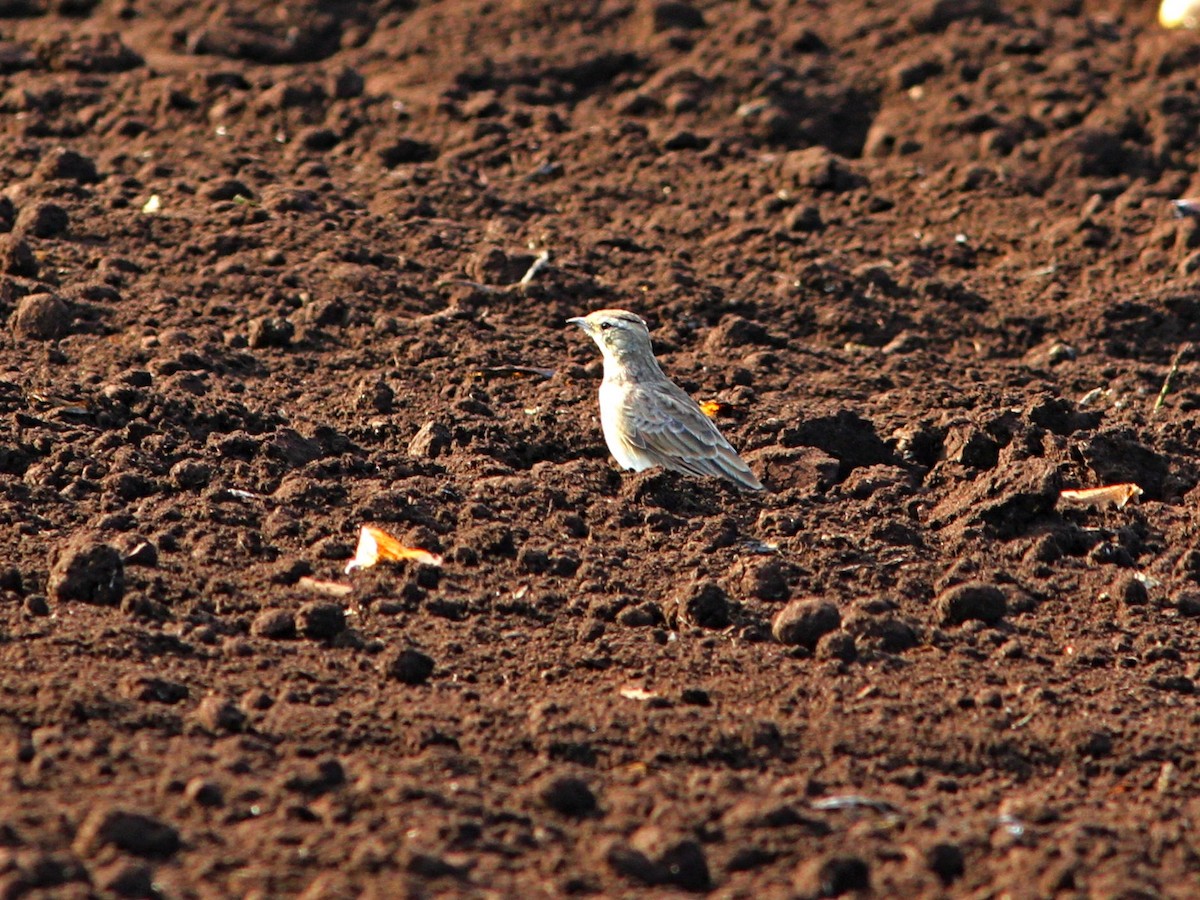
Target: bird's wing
[[666, 425]]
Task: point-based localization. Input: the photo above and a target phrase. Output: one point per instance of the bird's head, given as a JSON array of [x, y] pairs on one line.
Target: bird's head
[[620, 335]]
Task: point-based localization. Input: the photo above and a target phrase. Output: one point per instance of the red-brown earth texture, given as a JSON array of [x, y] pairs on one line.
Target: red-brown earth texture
[[261, 285]]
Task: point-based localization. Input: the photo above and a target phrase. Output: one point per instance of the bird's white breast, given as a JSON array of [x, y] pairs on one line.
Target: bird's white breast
[[611, 402]]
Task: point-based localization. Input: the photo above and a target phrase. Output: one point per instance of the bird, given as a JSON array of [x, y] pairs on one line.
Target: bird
[[647, 419]]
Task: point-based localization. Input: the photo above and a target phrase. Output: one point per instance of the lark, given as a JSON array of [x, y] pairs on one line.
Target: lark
[[647, 419]]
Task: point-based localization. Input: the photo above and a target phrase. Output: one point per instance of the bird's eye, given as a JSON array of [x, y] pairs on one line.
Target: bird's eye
[[604, 326]]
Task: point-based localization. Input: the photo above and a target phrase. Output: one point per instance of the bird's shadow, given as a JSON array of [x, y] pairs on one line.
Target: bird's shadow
[[681, 495]]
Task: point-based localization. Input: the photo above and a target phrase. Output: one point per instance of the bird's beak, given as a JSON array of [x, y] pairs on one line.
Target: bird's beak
[[580, 321]]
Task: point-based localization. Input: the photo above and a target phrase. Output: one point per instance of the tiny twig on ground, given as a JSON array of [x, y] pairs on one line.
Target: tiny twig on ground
[[538, 264], [1171, 372], [1186, 207]]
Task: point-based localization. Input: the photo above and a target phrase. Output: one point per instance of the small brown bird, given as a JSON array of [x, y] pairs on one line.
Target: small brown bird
[[647, 419]]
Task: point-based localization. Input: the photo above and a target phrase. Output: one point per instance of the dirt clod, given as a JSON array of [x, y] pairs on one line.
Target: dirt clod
[[409, 666], [42, 220], [568, 796], [148, 688], [66, 165], [431, 441], [321, 620], [766, 581], [682, 864], [87, 571], [405, 151], [947, 862], [278, 624], [317, 778], [41, 317], [641, 615], [191, 474], [685, 865], [133, 832], [703, 604], [670, 14], [834, 877], [36, 605], [804, 621], [635, 865], [218, 714], [1132, 591], [837, 645], [204, 792], [124, 879], [1188, 604], [974, 600], [271, 331]]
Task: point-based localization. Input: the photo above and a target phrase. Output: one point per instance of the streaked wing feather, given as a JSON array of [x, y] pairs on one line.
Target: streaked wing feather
[[668, 426]]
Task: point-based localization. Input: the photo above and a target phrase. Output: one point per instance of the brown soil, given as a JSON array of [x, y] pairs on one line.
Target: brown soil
[[924, 256]]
